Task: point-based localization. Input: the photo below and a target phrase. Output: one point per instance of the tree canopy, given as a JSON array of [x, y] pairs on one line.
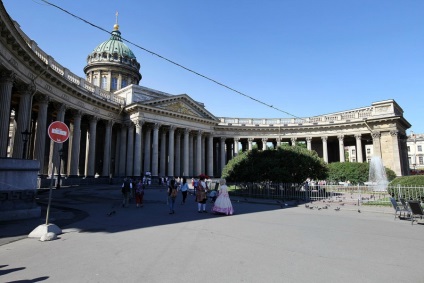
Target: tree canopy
[[286, 164]]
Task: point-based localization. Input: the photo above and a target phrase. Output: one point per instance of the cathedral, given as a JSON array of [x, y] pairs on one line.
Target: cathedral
[[119, 128]]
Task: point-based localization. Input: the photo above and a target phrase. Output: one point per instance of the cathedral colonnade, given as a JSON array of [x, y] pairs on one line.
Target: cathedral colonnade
[[119, 128]]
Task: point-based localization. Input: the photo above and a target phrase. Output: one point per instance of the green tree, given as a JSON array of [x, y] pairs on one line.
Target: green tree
[[285, 164]]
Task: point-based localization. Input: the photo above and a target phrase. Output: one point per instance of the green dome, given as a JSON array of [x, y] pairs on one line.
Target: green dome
[[115, 46]]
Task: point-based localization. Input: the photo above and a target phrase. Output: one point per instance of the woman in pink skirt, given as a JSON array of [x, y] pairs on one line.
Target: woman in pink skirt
[[223, 202]]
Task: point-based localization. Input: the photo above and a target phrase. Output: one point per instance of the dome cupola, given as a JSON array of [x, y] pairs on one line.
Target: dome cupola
[[112, 65]]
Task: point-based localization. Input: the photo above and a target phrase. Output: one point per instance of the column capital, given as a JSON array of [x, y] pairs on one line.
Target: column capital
[[172, 128], [138, 122], [358, 136], [42, 98], [236, 139], [187, 131], [264, 139], [223, 139], [340, 137], [25, 89], [7, 76], [93, 119], [250, 139], [308, 139], [324, 139], [76, 113], [394, 133], [376, 135], [156, 126]]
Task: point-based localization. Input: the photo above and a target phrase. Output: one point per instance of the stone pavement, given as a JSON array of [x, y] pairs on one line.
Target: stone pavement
[[265, 241]]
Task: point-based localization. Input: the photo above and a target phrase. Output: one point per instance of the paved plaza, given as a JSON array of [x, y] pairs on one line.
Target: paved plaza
[[265, 241]]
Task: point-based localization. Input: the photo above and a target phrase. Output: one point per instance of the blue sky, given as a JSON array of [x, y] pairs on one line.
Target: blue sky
[[305, 57]]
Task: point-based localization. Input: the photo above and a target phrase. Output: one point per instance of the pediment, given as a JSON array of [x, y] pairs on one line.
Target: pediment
[[181, 104]]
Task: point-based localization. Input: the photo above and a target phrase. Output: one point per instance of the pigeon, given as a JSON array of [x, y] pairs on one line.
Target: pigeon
[[359, 210], [342, 204], [111, 213], [306, 205], [337, 209]]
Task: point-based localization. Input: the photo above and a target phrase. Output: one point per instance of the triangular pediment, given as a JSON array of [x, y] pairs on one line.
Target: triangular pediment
[[181, 104]]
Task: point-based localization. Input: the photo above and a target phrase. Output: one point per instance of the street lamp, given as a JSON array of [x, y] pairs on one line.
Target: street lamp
[[58, 171], [25, 137]]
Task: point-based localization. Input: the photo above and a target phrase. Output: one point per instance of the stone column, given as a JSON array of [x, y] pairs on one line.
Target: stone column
[[396, 153], [191, 154], [107, 150], [186, 157], [293, 141], [178, 154], [24, 113], [163, 153], [309, 143], [376, 145], [91, 156], [341, 148], [236, 146], [210, 155], [147, 149], [203, 159], [264, 140], [155, 154], [137, 148], [41, 132], [324, 149], [171, 147], [198, 153], [122, 149], [250, 140], [223, 161], [6, 84], [130, 149], [74, 152], [359, 156]]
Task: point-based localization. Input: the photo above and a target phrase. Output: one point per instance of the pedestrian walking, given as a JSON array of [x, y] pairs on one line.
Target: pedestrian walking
[[126, 190], [139, 193], [184, 190], [172, 195]]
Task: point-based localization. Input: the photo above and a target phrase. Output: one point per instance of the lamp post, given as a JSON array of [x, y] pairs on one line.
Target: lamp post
[[58, 171], [25, 137]]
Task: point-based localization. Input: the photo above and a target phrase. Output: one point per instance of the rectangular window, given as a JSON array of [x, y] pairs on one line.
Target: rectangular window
[[353, 160], [353, 151], [409, 148], [368, 150], [114, 84], [420, 160], [124, 83], [104, 83], [420, 148], [409, 160]]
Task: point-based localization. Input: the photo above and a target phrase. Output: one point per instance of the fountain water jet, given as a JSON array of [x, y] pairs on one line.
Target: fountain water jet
[[377, 174]]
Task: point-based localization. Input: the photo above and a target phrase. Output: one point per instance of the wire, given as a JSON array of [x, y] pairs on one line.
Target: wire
[[175, 63]]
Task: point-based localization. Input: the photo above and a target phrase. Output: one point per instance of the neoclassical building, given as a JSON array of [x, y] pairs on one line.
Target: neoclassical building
[[120, 128]]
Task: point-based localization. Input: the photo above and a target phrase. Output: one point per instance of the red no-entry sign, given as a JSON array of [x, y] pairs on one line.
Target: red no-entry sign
[[58, 132]]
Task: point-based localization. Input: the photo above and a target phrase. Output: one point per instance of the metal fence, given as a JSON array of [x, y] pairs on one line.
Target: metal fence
[[354, 194]]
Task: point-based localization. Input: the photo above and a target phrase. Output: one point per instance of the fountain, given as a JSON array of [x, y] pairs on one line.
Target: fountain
[[377, 174]]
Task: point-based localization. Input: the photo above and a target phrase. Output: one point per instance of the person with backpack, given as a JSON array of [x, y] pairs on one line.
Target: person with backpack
[[126, 189], [172, 195], [201, 194]]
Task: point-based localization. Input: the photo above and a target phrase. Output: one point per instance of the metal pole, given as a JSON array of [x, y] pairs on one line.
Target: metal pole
[[50, 196]]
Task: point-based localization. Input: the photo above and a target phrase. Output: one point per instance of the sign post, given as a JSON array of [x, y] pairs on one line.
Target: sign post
[[58, 133]]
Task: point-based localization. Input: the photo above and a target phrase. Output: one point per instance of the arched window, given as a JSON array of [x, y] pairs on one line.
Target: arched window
[[114, 85], [104, 82], [95, 81]]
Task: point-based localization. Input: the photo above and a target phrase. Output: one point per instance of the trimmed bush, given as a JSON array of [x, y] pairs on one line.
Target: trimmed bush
[[286, 164], [353, 171]]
